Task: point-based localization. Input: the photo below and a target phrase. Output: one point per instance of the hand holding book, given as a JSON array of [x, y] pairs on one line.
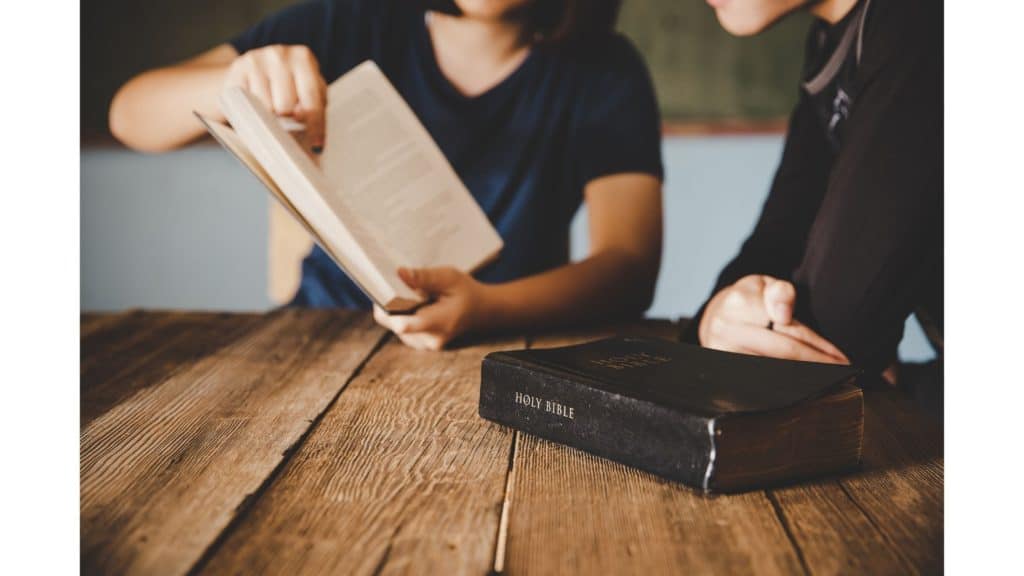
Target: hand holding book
[[381, 196], [456, 306]]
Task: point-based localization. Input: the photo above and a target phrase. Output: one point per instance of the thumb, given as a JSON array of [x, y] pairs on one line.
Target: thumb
[[429, 280], [779, 300]]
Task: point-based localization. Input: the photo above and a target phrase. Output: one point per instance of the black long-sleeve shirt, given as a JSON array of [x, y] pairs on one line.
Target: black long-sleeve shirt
[[854, 215]]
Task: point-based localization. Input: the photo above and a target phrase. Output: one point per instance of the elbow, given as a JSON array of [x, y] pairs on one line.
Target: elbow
[[644, 296], [640, 292], [648, 267], [126, 126], [118, 118]]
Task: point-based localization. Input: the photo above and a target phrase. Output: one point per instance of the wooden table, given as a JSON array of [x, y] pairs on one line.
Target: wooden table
[[311, 441]]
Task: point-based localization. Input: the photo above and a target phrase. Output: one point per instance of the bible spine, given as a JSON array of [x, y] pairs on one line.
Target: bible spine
[[565, 408]]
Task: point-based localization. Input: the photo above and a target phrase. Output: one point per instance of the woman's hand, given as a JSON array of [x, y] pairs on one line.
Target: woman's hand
[[287, 80], [755, 316], [458, 308]]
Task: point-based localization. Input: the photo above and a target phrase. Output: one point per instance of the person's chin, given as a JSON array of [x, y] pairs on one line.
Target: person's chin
[[739, 26], [739, 17], [484, 9]]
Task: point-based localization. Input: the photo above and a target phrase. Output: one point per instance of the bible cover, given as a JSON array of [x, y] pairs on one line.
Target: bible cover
[[718, 421]]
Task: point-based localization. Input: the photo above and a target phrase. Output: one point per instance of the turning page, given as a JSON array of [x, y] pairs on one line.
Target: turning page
[[383, 164], [302, 182], [382, 195]]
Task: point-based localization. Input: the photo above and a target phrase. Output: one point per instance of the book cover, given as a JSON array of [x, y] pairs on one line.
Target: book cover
[[714, 420]]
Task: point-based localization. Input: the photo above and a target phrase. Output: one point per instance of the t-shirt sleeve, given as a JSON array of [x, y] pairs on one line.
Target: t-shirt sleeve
[[307, 23], [619, 127]]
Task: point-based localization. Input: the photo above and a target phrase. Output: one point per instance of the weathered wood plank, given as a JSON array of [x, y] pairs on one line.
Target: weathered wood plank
[[833, 534], [90, 322], [886, 518], [101, 336], [401, 475], [575, 513], [901, 486], [112, 343], [163, 472], [146, 348]]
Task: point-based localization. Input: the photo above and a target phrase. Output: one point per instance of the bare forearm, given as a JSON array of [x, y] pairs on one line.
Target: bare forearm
[[153, 111], [609, 284], [615, 281]]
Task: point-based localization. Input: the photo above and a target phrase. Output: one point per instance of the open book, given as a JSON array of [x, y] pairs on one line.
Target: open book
[[379, 197]]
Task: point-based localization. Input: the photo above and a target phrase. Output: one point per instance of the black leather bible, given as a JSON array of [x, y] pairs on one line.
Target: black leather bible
[[718, 421]]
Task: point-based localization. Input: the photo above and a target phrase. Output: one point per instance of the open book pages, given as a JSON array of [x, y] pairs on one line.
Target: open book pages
[[382, 196]]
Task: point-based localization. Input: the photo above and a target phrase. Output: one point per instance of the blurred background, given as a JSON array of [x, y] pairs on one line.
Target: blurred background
[[190, 229]]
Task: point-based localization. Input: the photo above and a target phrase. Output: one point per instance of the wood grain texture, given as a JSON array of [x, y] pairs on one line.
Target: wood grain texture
[[832, 532], [400, 476], [901, 486], [231, 443], [886, 518], [107, 343], [572, 512], [90, 322], [141, 349], [102, 336], [164, 471]]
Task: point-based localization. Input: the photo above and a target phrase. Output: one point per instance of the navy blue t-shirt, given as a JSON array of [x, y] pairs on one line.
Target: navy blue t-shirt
[[525, 149]]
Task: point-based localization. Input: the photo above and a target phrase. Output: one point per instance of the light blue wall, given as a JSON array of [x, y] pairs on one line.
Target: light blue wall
[[184, 230], [188, 229]]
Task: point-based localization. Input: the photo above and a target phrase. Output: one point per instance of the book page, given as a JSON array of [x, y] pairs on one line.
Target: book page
[[381, 162], [302, 182], [229, 140], [290, 233]]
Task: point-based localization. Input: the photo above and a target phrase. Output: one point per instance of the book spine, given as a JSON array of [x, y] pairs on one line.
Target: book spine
[[564, 409]]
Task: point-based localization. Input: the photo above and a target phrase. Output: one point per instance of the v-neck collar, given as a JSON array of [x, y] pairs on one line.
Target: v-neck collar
[[425, 46]]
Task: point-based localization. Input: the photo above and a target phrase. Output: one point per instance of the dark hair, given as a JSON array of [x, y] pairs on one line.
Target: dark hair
[[564, 21], [558, 21]]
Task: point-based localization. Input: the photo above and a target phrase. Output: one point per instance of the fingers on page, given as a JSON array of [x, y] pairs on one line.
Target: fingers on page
[[282, 90], [310, 92]]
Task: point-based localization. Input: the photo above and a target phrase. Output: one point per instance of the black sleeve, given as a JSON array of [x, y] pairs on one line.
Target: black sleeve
[[619, 128], [874, 253], [777, 242]]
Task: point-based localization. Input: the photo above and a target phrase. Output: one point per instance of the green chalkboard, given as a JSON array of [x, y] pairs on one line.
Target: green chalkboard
[[700, 72]]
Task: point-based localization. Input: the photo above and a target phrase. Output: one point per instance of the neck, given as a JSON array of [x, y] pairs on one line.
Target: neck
[[495, 40], [832, 11]]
